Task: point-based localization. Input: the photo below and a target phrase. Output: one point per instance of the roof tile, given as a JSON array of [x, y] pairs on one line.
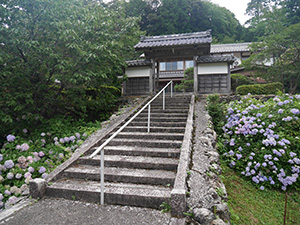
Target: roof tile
[[175, 40]]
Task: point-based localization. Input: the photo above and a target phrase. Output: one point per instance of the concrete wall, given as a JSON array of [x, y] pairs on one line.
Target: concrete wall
[[143, 71]]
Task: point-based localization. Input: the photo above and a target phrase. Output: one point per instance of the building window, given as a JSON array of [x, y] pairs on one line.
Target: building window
[[189, 64], [175, 65]]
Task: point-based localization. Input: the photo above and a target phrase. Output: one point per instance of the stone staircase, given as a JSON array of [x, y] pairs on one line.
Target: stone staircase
[[140, 167]]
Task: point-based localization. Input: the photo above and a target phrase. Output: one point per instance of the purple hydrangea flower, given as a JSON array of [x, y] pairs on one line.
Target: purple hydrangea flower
[[238, 156], [44, 175], [72, 138], [231, 152], [77, 135], [10, 138], [292, 154], [295, 111], [7, 192], [1, 197], [280, 111], [41, 154], [262, 188], [67, 139], [10, 176], [25, 131], [9, 164], [30, 169], [264, 164], [255, 180], [42, 169], [1, 157], [12, 200]]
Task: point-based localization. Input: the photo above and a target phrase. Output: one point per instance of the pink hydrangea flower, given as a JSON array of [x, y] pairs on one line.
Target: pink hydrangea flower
[[22, 160], [30, 159], [41, 154], [27, 175]]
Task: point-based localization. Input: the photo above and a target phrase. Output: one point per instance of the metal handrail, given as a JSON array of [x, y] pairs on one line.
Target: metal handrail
[[120, 129]]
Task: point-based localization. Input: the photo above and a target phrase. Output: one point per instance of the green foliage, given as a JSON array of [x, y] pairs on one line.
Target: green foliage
[[166, 207], [216, 111], [238, 80], [260, 89], [53, 52], [278, 58], [184, 16], [188, 82], [270, 17]]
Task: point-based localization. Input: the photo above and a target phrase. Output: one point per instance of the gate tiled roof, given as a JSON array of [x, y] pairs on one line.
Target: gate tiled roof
[[175, 40]]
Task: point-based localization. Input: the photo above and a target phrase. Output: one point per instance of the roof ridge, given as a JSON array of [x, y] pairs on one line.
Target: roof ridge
[[176, 36]]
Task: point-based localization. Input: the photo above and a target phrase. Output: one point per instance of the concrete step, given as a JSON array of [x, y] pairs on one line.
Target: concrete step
[[137, 162], [158, 110], [115, 193], [158, 124], [163, 114], [125, 175], [146, 143], [167, 107], [162, 119], [151, 135], [140, 151], [154, 129]]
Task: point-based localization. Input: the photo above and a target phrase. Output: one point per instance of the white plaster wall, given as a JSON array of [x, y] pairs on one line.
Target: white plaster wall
[[212, 68], [138, 71]]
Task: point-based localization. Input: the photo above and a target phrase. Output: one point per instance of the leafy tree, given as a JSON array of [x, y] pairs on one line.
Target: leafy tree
[[184, 16], [51, 51], [279, 57]]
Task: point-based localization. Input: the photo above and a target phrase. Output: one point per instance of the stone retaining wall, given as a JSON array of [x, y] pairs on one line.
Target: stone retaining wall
[[207, 193]]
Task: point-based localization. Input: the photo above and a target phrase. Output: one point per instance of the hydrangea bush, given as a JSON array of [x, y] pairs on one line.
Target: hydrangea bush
[[27, 156], [262, 140]]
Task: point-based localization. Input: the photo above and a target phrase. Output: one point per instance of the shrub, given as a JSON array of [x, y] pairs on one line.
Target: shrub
[[34, 154], [216, 111], [238, 80], [262, 140], [188, 82], [260, 89]]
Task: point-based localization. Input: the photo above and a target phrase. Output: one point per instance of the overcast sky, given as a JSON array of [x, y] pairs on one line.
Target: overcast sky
[[238, 7]]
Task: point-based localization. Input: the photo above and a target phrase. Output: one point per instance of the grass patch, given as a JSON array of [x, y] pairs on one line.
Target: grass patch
[[250, 205]]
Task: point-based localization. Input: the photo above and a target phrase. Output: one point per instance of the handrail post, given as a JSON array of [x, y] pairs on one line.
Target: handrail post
[[102, 177], [164, 100], [171, 89], [149, 112]]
